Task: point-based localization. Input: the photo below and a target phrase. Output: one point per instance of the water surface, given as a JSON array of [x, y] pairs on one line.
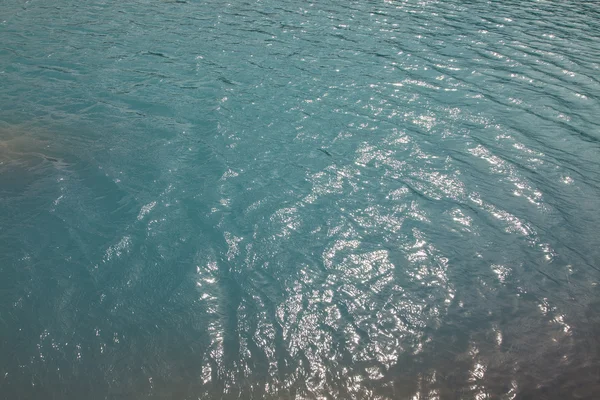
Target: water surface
[[295, 200]]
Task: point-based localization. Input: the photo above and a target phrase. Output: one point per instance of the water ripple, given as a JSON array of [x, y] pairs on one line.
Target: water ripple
[[299, 200]]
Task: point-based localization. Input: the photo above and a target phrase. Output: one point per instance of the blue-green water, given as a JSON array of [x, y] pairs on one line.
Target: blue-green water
[[294, 200]]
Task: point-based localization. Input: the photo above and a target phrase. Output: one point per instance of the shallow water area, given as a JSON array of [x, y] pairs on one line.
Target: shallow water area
[[290, 200]]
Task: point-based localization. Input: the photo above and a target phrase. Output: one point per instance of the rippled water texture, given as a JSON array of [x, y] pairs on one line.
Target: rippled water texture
[[290, 200]]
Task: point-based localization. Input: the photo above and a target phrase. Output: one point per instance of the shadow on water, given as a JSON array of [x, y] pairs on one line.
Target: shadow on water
[[96, 297], [57, 212]]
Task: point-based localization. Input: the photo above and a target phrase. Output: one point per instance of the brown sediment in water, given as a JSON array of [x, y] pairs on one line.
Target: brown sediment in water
[[27, 146], [28, 161]]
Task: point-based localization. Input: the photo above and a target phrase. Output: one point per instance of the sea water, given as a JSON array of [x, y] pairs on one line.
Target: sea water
[[299, 200]]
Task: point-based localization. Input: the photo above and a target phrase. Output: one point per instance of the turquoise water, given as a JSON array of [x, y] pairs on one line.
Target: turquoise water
[[294, 200]]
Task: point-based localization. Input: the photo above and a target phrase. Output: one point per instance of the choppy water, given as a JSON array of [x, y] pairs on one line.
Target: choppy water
[[294, 200]]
